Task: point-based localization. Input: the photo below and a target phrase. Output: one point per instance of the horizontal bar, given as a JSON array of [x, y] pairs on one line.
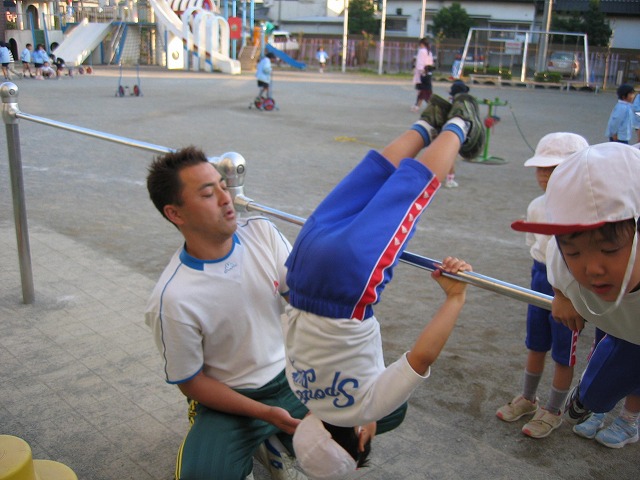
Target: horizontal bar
[[94, 133], [497, 286]]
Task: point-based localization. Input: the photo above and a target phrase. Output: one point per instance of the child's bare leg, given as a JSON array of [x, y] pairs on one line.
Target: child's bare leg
[[631, 408], [440, 156], [421, 134], [407, 145]]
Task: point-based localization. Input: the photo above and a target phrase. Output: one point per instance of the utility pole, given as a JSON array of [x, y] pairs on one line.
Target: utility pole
[[543, 44], [345, 35], [423, 14], [382, 34]]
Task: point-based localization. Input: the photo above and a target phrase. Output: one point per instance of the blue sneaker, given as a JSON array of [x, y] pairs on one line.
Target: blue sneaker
[[618, 434], [590, 426]]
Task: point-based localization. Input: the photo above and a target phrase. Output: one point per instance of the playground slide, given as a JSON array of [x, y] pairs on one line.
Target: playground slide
[[81, 41], [285, 58], [170, 20]]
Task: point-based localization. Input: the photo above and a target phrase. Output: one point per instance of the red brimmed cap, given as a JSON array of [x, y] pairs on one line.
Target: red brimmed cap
[[598, 185]]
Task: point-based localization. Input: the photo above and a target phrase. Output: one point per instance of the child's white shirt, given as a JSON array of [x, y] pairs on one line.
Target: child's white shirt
[[336, 368], [537, 242]]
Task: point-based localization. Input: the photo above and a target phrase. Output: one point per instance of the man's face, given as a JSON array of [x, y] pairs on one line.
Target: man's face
[[598, 263], [207, 209]]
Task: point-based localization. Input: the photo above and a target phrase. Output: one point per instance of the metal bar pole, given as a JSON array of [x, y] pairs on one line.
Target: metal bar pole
[[497, 286], [94, 133], [11, 114], [9, 94]]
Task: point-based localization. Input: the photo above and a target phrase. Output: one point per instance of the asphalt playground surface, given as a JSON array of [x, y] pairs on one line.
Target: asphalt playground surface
[[80, 377]]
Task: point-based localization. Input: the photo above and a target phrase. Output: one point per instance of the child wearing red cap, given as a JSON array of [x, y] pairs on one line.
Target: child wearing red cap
[[592, 209]]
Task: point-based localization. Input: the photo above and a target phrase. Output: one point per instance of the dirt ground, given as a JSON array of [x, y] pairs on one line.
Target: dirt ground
[[94, 192]]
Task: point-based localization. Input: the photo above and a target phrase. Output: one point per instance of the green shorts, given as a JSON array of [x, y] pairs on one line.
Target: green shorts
[[221, 446]]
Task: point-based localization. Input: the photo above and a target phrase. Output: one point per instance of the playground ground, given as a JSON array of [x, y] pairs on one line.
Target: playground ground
[[81, 377]]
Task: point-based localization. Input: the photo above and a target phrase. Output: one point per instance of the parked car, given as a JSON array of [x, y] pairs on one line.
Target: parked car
[[283, 40], [471, 60], [566, 63]]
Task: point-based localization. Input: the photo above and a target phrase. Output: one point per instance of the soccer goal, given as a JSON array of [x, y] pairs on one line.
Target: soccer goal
[[529, 49]]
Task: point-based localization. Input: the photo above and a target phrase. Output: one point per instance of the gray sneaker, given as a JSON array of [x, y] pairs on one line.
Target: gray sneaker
[[465, 107], [437, 111]]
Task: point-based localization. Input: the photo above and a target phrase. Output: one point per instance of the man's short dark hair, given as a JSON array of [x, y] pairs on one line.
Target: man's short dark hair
[[163, 179], [346, 437]]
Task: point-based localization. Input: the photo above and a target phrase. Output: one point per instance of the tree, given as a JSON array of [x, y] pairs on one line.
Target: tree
[[452, 22], [593, 22], [361, 17]]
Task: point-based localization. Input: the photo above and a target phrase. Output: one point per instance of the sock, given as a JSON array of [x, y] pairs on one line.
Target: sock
[[458, 126], [450, 177], [629, 416], [426, 131], [556, 400], [530, 386]]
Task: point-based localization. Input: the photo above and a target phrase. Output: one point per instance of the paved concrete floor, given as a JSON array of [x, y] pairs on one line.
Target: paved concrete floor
[[81, 378]]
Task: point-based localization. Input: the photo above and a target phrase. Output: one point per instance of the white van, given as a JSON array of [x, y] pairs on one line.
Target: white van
[[283, 40]]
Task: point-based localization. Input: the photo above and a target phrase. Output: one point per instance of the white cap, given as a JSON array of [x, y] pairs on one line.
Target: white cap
[[598, 185], [554, 148], [318, 453]]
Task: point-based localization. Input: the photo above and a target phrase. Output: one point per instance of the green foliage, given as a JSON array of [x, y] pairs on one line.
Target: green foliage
[[361, 17], [549, 77], [593, 22], [504, 73], [452, 22]]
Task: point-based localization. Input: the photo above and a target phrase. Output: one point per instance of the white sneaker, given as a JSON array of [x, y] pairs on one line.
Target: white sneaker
[[542, 424], [517, 408], [415, 108], [450, 184], [274, 457]]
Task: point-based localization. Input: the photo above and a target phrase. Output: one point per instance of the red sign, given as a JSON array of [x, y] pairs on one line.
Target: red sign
[[235, 28]]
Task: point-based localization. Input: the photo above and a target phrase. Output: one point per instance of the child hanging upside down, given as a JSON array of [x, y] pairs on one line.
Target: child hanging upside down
[[339, 265]]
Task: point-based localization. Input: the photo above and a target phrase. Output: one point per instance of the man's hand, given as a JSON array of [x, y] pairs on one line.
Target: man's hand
[[564, 312], [280, 418]]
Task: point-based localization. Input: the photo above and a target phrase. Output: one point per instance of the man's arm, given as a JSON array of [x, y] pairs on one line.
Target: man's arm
[[217, 396]]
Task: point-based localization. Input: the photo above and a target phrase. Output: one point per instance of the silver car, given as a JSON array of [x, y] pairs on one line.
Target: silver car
[[566, 63]]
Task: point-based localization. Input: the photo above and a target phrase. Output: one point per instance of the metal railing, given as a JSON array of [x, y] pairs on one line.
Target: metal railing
[[232, 166]]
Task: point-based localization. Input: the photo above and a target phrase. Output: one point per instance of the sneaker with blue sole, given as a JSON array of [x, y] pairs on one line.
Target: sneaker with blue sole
[[618, 434], [590, 426]]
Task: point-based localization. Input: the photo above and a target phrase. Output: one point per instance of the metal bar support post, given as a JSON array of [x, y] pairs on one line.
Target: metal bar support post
[[9, 94]]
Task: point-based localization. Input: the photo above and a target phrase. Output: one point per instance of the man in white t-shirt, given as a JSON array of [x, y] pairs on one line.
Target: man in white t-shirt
[[215, 315]]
